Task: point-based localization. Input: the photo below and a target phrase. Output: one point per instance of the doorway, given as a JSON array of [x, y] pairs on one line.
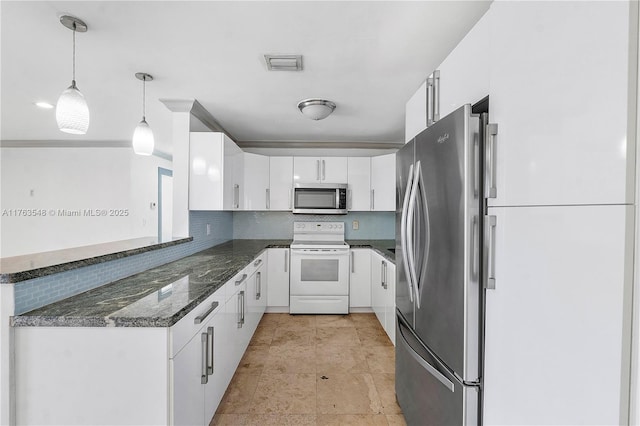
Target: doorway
[[165, 204]]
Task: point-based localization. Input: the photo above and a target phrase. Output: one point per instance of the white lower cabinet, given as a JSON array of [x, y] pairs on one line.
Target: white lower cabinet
[[140, 375], [256, 298], [360, 278], [278, 279], [199, 379], [383, 293]]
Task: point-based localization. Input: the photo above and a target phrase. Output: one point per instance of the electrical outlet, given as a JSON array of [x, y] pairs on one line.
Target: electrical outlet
[[356, 225], [208, 229]]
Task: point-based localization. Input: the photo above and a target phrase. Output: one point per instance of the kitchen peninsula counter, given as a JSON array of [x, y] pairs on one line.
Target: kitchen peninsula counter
[[29, 266], [161, 296], [158, 297]]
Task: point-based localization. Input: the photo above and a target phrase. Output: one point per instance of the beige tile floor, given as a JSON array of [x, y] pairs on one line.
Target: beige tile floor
[[314, 370]]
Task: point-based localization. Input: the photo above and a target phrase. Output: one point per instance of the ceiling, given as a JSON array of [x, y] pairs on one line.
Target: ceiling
[[367, 57]]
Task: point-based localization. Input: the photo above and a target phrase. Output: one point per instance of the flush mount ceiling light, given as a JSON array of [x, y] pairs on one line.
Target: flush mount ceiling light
[[316, 109], [72, 112], [283, 62], [143, 136]]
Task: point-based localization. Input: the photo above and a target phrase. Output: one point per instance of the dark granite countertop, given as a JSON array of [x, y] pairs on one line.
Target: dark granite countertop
[[161, 296], [21, 268], [380, 246]]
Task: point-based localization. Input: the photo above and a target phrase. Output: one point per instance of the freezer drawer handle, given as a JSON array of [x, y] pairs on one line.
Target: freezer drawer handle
[[201, 317], [424, 364], [491, 136], [490, 279]]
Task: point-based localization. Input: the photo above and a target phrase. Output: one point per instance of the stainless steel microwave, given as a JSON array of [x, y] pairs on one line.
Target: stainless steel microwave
[[320, 198]]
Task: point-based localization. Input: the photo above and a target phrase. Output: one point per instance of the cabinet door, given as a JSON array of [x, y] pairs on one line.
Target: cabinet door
[[559, 93], [188, 396], [360, 279], [378, 300], [333, 169], [217, 380], [256, 181], [464, 74], [206, 160], [359, 181], [280, 183], [390, 305], [383, 183], [416, 113], [278, 277], [307, 169], [557, 313], [232, 175], [237, 318]]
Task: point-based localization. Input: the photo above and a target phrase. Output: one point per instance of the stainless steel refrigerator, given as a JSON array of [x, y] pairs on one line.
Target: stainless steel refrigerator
[[439, 293]]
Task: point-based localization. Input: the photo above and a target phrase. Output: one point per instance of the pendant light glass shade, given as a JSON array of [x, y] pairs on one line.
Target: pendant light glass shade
[[72, 112], [143, 141]]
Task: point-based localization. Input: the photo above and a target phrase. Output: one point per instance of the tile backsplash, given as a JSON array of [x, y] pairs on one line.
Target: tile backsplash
[[32, 294], [279, 225]]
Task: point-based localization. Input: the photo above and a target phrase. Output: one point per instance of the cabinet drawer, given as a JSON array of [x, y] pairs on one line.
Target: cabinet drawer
[[187, 327]]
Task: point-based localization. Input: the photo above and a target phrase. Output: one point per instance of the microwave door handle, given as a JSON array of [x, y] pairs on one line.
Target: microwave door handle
[[324, 170], [317, 169]]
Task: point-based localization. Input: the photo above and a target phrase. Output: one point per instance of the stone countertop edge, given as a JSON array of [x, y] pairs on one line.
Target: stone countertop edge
[[27, 320], [15, 277]]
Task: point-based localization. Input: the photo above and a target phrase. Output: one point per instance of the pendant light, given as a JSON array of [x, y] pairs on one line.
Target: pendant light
[[72, 112], [143, 136]]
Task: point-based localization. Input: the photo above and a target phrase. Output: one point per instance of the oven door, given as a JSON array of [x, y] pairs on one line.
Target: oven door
[[320, 272]]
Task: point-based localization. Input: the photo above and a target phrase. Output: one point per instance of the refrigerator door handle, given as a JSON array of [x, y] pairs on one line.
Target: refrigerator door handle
[[490, 266], [425, 256], [424, 364], [403, 232], [412, 203], [410, 247]]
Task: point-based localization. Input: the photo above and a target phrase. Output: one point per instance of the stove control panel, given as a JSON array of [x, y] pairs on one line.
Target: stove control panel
[[318, 227]]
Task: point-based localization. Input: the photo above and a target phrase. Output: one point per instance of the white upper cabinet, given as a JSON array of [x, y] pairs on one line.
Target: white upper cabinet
[[359, 181], [559, 94], [255, 194], [212, 161], [280, 183], [320, 170], [416, 113], [383, 183], [464, 74]]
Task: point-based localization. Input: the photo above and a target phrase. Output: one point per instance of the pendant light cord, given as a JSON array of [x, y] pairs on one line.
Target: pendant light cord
[[74, 55], [144, 96]]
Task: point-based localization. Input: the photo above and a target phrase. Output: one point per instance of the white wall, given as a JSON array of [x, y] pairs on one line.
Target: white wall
[[75, 179]]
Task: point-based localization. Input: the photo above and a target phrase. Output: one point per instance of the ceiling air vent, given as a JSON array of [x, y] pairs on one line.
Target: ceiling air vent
[[283, 62]]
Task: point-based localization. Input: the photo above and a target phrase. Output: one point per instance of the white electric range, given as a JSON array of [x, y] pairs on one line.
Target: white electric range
[[319, 269]]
